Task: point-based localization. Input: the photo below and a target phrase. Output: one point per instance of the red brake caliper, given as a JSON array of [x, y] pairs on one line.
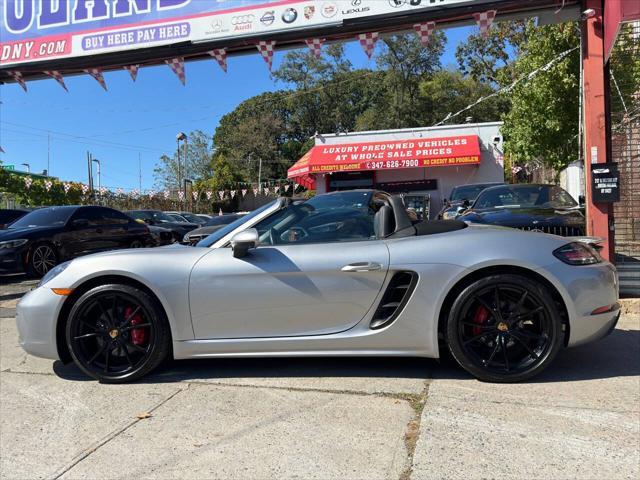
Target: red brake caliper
[[138, 335], [480, 317]]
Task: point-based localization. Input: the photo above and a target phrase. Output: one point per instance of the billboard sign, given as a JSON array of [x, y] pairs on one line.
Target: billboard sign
[[49, 30]]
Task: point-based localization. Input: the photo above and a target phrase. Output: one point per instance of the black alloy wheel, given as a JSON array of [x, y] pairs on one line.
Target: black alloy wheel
[[136, 244], [117, 333], [504, 328], [42, 258]]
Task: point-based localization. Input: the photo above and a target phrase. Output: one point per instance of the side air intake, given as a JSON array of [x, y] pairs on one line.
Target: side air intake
[[394, 299]]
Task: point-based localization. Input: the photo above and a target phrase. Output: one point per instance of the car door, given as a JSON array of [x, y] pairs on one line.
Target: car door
[[288, 290], [83, 233], [116, 229], [318, 284]]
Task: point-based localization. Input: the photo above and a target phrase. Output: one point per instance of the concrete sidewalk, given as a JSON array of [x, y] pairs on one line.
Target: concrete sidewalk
[[323, 418]]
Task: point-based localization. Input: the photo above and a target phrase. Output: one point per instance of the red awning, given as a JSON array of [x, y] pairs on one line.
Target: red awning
[[388, 155]]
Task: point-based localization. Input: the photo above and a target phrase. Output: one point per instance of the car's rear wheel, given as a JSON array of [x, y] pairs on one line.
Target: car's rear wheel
[[117, 333], [42, 258], [136, 244], [504, 328]]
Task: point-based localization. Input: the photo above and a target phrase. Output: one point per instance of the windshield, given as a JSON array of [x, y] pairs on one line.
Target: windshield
[[190, 217], [468, 192], [217, 235], [525, 196], [160, 217], [45, 217]]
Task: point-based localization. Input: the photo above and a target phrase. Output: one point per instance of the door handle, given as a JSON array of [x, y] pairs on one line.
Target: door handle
[[362, 267]]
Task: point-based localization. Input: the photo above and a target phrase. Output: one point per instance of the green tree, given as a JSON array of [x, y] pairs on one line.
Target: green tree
[[196, 166], [542, 124]]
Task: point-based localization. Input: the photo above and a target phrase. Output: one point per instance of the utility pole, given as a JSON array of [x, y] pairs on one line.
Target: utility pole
[[259, 171], [139, 173], [48, 153], [90, 170]]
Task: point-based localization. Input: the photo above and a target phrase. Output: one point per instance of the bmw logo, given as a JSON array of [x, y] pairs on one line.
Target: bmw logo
[[289, 15]]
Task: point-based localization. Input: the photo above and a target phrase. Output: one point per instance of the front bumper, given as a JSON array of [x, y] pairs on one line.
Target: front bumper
[[11, 259], [36, 317]]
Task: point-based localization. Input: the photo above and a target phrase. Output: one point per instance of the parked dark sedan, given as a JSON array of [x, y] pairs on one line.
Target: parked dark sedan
[[161, 219], [461, 197], [212, 225], [8, 216], [544, 208], [45, 237]]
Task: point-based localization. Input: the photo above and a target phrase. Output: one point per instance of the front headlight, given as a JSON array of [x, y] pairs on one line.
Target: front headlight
[[54, 272], [449, 215], [13, 243]]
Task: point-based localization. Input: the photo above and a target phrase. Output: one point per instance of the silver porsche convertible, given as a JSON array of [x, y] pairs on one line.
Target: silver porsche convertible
[[344, 273]]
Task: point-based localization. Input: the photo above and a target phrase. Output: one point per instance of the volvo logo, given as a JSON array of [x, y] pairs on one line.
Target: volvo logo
[[289, 15], [268, 18]]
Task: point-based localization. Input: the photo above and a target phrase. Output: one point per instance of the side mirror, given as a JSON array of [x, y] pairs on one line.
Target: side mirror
[[80, 223], [244, 241], [149, 221], [466, 203], [581, 200]]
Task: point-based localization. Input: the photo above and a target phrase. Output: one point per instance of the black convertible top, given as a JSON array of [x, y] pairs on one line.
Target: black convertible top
[[430, 227]]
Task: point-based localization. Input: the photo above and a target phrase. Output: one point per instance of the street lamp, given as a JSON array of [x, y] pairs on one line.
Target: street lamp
[[181, 136], [99, 176], [28, 167]]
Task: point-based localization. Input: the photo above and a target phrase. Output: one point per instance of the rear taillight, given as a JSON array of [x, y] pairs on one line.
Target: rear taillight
[[577, 253]]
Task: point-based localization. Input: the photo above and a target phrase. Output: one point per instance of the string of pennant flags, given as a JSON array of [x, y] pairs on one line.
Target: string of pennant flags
[[241, 190], [266, 48]]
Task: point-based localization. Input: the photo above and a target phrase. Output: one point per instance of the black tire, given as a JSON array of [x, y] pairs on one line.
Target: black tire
[[41, 258], [103, 338], [511, 343], [137, 244]]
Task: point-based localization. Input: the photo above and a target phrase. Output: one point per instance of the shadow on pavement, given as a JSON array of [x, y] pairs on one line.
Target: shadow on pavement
[[617, 355]]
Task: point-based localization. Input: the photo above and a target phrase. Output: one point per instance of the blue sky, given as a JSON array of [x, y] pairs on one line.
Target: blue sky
[[133, 120]]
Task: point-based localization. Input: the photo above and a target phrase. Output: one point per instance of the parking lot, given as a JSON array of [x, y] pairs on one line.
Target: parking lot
[[321, 418]]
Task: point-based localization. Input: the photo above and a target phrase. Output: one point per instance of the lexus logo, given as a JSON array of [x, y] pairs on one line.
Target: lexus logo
[[289, 15], [356, 3]]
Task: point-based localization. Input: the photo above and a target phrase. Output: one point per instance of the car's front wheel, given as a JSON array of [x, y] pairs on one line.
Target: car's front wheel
[[42, 258], [504, 328], [117, 333]]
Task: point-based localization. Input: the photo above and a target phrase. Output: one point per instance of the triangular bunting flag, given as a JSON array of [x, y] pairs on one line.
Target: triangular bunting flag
[[233, 194], [484, 21], [244, 192], [177, 66], [255, 191], [97, 74], [315, 45], [56, 75], [17, 76], [424, 31], [265, 47], [220, 54], [133, 71], [368, 42]]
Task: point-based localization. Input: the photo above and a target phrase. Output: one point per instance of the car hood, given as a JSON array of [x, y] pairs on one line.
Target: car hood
[[525, 216], [177, 225], [27, 232], [206, 230]]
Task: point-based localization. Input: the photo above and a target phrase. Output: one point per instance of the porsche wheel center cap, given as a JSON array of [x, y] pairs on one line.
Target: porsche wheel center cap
[[113, 333], [503, 327]]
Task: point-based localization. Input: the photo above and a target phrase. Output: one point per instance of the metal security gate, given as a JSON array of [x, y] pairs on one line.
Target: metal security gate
[[625, 150]]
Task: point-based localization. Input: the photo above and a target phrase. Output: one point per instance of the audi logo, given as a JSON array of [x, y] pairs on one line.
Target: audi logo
[[242, 19]]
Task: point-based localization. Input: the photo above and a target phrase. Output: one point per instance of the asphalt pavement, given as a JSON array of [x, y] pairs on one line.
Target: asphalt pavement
[[352, 418]]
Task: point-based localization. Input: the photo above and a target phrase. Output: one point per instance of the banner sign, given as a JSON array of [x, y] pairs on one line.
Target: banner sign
[[389, 154], [37, 30], [605, 186]]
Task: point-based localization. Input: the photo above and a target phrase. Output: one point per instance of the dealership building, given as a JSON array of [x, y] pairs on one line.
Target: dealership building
[[421, 163]]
